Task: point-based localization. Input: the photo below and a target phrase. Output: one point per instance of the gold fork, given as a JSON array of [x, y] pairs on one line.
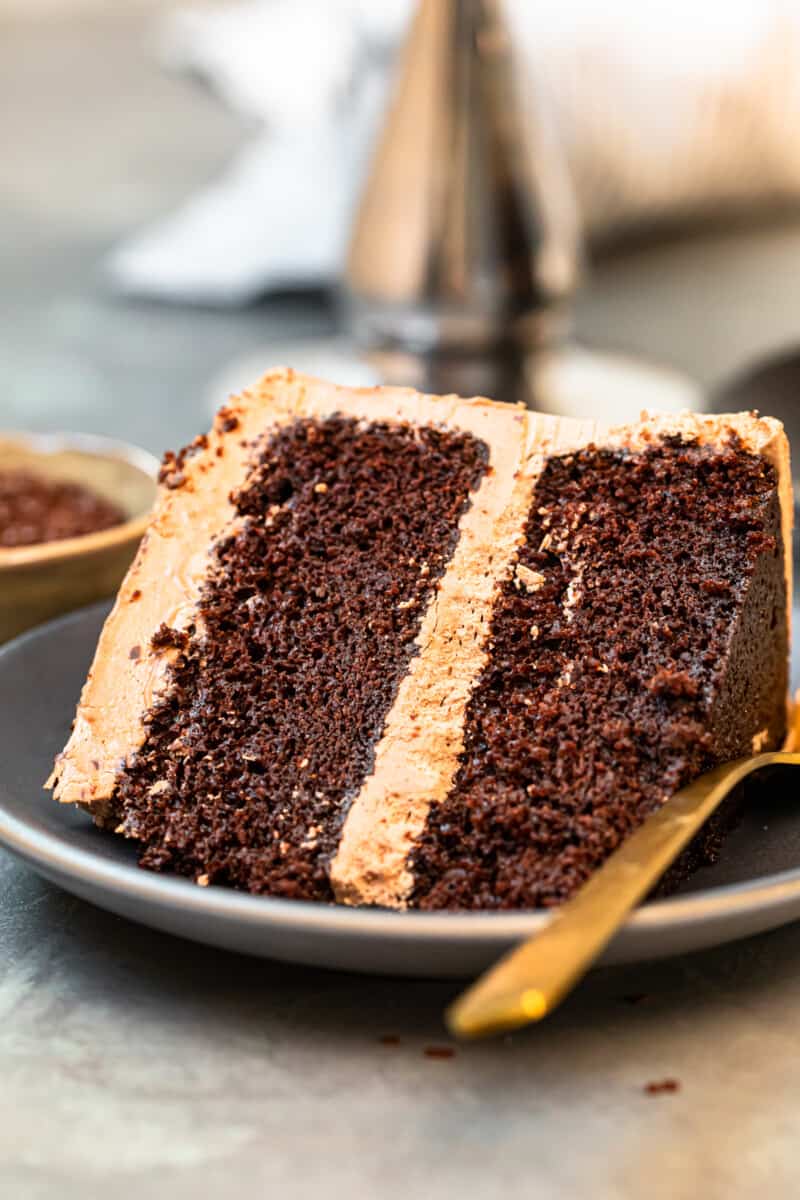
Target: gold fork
[[532, 979]]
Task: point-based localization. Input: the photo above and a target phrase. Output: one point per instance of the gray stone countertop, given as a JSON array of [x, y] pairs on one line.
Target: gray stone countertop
[[136, 1065]]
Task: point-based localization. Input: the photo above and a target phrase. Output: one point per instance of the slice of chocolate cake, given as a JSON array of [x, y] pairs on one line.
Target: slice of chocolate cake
[[393, 649]]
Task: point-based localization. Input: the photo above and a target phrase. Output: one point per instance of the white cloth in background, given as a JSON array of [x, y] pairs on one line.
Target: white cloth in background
[[664, 111]]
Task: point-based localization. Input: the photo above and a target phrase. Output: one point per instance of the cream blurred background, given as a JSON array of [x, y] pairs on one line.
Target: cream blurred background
[[34, 9]]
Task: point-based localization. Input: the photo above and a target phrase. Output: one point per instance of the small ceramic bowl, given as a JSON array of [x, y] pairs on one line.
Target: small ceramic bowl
[[41, 581]]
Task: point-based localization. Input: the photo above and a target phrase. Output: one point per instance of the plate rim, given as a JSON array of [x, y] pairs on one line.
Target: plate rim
[[52, 854]]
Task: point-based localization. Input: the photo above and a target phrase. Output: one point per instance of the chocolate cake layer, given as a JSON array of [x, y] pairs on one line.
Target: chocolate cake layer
[[307, 623], [640, 638]]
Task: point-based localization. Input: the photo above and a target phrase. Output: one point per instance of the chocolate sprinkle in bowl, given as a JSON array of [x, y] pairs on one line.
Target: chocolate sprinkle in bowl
[[73, 508]]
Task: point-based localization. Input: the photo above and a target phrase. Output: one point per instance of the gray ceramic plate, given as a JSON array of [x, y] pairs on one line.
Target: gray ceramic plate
[[754, 887]]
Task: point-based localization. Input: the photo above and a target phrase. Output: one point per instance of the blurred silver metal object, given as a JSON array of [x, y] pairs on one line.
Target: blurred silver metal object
[[466, 237], [464, 252]]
